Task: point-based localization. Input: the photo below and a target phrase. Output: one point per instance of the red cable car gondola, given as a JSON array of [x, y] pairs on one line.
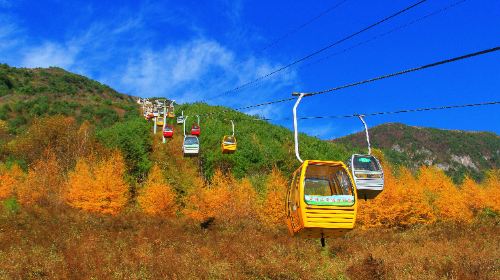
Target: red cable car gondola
[[195, 130], [168, 131]]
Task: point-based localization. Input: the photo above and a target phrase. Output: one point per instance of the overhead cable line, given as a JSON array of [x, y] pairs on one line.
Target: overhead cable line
[[390, 112], [298, 28], [399, 73], [324, 48], [383, 34], [295, 30], [378, 36], [406, 71]]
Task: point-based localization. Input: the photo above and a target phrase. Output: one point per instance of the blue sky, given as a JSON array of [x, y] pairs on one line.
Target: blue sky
[[195, 50]]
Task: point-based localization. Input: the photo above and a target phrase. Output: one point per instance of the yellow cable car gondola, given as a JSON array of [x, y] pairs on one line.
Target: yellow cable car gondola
[[229, 143], [171, 113], [160, 121], [321, 201]]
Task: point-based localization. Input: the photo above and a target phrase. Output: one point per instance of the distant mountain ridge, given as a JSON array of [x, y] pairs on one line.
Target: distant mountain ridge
[[456, 152], [26, 93]]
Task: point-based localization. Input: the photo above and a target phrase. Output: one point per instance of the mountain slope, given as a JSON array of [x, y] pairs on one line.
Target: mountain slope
[[26, 93], [456, 152], [261, 145], [29, 93]]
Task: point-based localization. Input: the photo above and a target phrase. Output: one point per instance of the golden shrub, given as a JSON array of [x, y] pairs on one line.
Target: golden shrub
[[474, 195], [43, 184], [211, 201], [157, 197], [225, 199], [443, 196], [98, 187], [10, 179], [402, 203], [272, 211], [491, 186], [242, 203]]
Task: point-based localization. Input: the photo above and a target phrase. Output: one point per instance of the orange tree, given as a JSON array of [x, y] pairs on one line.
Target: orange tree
[[156, 196], [98, 187]]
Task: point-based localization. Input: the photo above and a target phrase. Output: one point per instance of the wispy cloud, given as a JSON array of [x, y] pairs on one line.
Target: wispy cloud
[[193, 71], [119, 52], [50, 54], [9, 33]]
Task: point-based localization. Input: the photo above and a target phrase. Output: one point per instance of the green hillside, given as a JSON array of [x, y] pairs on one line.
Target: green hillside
[[107, 199], [261, 145], [456, 152], [27, 93]]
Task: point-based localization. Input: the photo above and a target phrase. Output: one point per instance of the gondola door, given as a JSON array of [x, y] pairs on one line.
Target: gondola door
[[293, 200]]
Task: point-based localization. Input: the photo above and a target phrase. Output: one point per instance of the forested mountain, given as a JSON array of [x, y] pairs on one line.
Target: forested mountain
[[27, 93], [456, 152]]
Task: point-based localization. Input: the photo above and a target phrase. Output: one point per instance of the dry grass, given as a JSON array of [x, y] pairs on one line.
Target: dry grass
[[66, 244]]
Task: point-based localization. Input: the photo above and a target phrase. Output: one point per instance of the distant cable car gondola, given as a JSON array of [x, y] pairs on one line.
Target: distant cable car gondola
[[191, 144], [171, 113], [168, 131], [229, 143], [321, 201], [195, 129], [180, 119], [160, 121], [367, 171]]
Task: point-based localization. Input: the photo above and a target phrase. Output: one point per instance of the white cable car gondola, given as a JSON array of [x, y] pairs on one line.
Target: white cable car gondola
[[191, 144], [180, 119], [367, 171]]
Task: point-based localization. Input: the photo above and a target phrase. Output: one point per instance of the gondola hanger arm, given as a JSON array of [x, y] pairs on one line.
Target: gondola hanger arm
[[295, 127], [361, 117], [184, 125], [232, 124]]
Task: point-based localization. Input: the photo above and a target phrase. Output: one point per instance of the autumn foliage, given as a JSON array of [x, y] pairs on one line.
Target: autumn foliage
[[61, 135], [401, 203], [272, 211], [156, 196], [98, 187], [427, 197], [225, 199], [65, 164], [10, 179], [43, 183]]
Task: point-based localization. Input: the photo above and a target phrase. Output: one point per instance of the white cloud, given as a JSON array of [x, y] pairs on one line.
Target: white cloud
[[119, 52], [193, 71], [9, 37], [50, 54], [6, 38]]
